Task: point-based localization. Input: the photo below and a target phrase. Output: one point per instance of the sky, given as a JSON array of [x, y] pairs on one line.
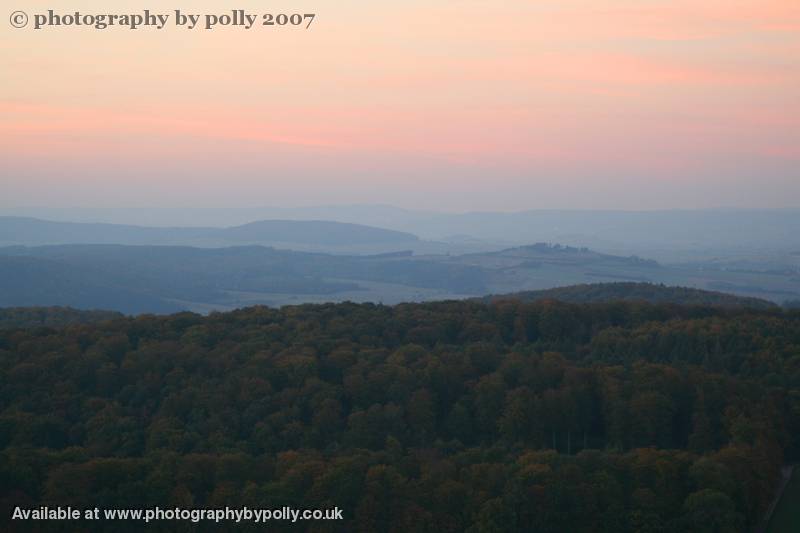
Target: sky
[[452, 105]]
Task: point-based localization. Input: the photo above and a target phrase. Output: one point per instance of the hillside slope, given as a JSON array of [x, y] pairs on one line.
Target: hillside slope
[[33, 281], [162, 279], [33, 232], [642, 292]]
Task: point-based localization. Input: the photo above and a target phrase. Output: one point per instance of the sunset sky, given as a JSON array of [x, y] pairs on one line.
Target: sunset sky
[[450, 105]]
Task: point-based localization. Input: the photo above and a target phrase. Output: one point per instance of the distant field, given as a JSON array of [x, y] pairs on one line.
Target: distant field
[[786, 518], [166, 279]]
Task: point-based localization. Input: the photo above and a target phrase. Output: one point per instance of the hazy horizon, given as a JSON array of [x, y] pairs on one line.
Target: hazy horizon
[[371, 205]]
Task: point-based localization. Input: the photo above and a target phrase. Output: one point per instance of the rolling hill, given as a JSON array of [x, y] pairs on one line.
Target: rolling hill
[[162, 279], [32, 281], [636, 292], [34, 232], [614, 231]]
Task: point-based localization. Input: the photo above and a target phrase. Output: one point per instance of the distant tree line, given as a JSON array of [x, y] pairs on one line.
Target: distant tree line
[[638, 292], [52, 317]]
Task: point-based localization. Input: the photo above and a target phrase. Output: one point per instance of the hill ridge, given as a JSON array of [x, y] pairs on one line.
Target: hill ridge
[[635, 291]]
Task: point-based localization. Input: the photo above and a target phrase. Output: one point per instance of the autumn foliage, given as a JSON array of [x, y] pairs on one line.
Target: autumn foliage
[[446, 417]]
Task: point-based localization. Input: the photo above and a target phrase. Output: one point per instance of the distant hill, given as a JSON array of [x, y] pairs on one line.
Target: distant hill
[[556, 253], [163, 279], [646, 292], [34, 232], [53, 317], [34, 281], [632, 231], [314, 232]]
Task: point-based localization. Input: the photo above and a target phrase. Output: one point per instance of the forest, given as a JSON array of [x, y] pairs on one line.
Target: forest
[[453, 416], [29, 317], [638, 292]]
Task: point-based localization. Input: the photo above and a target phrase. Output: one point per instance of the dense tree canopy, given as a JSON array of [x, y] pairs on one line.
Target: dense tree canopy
[[636, 292], [452, 416], [30, 317]]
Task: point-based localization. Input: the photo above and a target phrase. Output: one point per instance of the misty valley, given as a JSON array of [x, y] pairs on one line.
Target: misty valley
[[163, 270]]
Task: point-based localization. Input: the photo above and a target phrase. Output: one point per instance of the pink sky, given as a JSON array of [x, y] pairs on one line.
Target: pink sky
[[452, 105]]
